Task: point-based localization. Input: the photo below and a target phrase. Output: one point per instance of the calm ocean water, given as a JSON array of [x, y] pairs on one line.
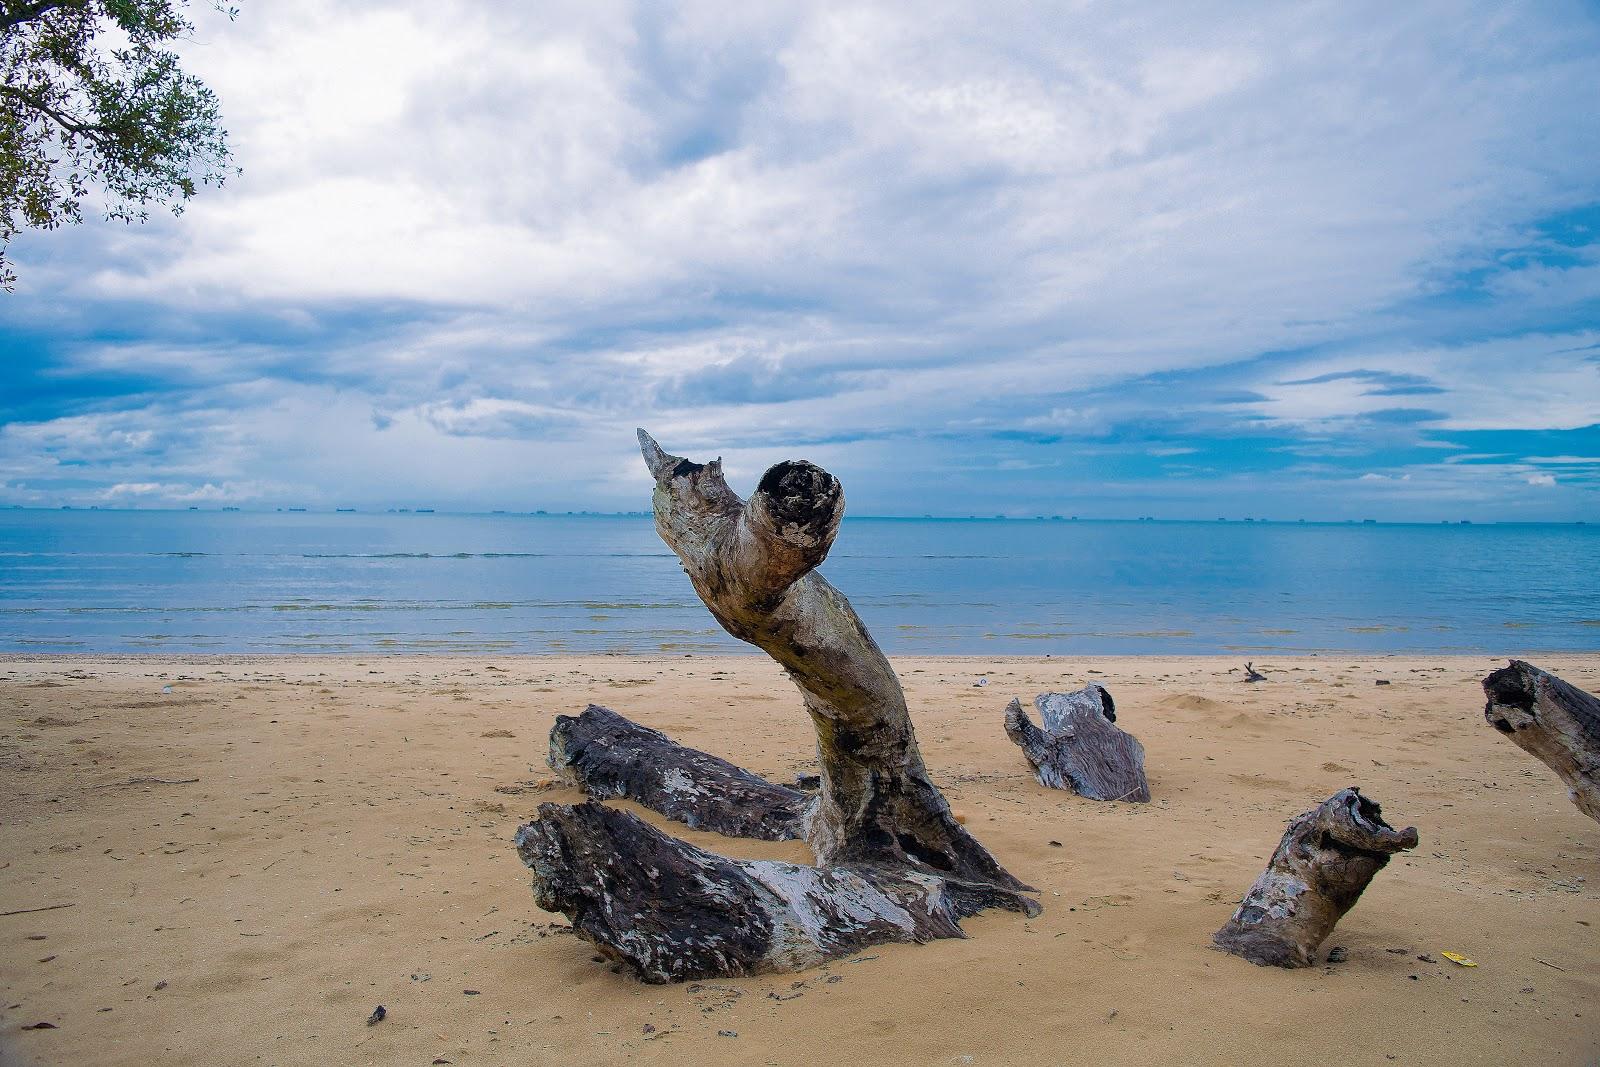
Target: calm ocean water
[[153, 581]]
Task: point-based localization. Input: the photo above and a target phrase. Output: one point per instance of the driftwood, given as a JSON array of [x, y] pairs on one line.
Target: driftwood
[[1558, 723], [673, 912], [1325, 861], [1253, 675], [606, 755], [893, 862], [1081, 748]]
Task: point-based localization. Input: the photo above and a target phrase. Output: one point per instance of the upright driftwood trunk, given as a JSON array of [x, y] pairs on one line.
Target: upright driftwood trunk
[[1325, 861], [1081, 748], [1558, 723], [893, 862]]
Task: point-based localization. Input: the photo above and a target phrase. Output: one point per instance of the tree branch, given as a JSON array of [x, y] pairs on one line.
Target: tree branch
[[13, 15], [95, 133]]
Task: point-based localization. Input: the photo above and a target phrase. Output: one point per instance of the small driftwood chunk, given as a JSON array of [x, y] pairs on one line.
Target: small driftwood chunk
[[672, 912], [1558, 723], [1080, 748], [1323, 864], [607, 755]]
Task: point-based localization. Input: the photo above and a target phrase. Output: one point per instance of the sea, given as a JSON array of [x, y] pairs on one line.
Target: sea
[[146, 581]]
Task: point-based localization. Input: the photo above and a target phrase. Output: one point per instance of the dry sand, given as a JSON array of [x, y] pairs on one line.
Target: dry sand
[[348, 844]]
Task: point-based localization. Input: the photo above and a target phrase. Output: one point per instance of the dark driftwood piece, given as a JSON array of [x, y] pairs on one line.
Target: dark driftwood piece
[[1253, 675], [1323, 864], [607, 755], [893, 862], [673, 912], [1558, 723], [1081, 748]]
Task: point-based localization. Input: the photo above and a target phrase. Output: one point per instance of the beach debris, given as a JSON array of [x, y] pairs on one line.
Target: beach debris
[[1338, 954], [1081, 748], [1557, 723], [980, 683], [41, 1026], [1458, 959], [1253, 675], [379, 1014], [1327, 858], [1383, 681], [30, 911], [893, 863], [607, 755]]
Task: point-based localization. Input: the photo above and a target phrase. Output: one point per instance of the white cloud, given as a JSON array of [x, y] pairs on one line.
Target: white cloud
[[469, 240]]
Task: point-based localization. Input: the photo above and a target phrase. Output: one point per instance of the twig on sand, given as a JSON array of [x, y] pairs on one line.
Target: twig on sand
[[1547, 963], [145, 781], [30, 911]]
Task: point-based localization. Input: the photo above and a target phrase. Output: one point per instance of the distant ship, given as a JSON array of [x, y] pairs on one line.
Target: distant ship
[[230, 507], [345, 510], [297, 509], [423, 511]]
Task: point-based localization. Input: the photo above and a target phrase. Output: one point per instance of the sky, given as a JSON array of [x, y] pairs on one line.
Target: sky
[[1321, 260]]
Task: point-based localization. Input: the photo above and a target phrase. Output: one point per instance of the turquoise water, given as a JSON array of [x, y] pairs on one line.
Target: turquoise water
[[154, 581]]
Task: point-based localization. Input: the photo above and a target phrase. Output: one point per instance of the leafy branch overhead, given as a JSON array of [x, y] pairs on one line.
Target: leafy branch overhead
[[92, 98]]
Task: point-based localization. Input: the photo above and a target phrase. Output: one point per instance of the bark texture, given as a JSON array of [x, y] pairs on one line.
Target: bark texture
[[1081, 748], [1325, 861], [607, 755], [1558, 723], [672, 912], [893, 862]]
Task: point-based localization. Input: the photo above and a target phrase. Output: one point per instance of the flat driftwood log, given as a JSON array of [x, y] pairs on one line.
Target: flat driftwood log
[[672, 912], [893, 862], [1325, 861], [607, 755], [1558, 723], [1081, 747]]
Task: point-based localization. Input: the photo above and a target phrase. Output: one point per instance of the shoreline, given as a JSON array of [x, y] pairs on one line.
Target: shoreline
[[268, 846]]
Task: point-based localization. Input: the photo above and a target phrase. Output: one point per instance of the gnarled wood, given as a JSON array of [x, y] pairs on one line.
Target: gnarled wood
[[607, 755], [893, 862], [672, 912], [754, 565], [1325, 861], [1558, 723], [1080, 748]]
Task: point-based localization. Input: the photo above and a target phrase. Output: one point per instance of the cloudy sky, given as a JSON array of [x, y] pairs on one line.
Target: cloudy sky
[[1328, 260]]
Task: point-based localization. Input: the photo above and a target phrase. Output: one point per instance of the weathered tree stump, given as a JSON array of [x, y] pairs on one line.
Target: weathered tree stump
[[1081, 748], [1558, 723], [1325, 861], [607, 755], [893, 862]]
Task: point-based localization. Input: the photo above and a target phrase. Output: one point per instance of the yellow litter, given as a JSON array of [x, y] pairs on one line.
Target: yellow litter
[[1456, 957]]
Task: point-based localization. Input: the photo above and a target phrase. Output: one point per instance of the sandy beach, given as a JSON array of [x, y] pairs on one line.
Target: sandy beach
[[259, 851]]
